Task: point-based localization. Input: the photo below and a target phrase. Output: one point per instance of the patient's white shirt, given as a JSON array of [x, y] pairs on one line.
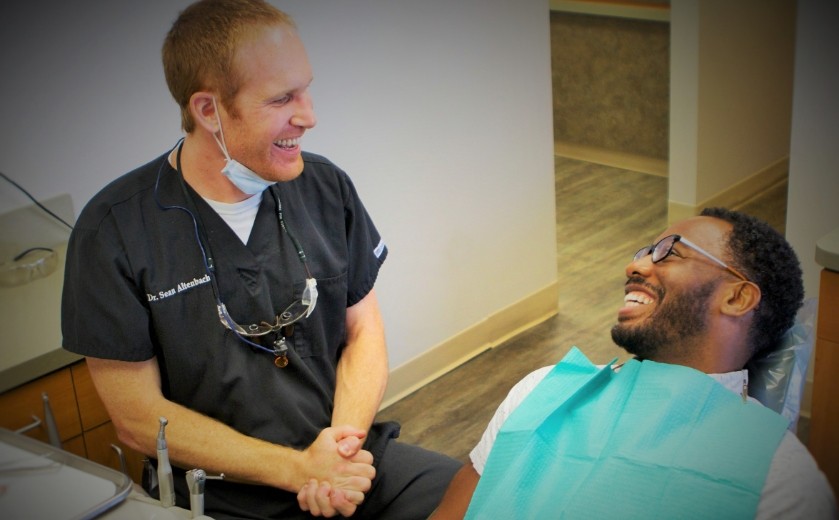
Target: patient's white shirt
[[794, 487]]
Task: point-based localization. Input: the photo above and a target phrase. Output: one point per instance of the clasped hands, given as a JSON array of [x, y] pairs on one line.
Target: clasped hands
[[341, 472]]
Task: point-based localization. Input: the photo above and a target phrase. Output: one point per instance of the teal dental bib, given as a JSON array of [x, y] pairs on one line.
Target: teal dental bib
[[649, 441]]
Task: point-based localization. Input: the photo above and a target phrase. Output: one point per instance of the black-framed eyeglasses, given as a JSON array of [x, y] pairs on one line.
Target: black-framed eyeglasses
[[664, 248]]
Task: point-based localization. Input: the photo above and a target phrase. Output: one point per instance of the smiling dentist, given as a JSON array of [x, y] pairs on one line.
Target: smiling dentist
[[228, 285]]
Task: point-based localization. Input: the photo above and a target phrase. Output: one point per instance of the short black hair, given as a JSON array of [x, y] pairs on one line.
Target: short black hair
[[762, 253]]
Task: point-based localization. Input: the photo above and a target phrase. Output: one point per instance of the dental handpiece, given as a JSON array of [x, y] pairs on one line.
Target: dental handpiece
[[166, 483], [195, 480]]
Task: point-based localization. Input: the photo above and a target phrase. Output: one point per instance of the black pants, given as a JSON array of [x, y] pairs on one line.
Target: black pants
[[410, 481], [409, 484]]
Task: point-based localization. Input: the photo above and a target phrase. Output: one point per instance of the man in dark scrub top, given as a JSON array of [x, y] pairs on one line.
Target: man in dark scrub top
[[228, 286]]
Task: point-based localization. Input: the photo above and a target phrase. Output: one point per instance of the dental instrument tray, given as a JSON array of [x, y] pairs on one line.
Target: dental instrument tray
[[38, 480]]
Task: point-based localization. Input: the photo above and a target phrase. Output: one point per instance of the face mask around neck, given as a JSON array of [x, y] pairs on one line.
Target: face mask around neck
[[240, 175]]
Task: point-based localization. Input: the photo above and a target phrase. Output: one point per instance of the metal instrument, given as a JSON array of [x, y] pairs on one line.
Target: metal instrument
[[165, 480]]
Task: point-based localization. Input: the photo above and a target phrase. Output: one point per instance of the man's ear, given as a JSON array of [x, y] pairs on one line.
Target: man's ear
[[740, 298], [203, 111]]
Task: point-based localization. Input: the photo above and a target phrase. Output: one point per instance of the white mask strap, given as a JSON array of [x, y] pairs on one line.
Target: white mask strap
[[221, 143]]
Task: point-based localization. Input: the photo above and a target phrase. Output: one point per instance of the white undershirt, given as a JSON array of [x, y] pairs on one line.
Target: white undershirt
[[240, 216]]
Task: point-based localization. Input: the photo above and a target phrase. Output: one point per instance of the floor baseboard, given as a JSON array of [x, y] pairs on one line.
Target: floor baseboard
[[484, 335], [615, 159], [736, 195]]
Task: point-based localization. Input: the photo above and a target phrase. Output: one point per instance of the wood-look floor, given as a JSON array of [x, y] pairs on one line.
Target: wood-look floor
[[604, 215]]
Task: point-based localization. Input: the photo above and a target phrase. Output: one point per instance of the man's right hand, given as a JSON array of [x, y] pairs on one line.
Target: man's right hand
[[340, 473]]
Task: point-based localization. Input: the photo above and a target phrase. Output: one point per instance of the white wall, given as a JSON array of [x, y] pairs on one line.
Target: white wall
[[745, 91], [731, 93], [440, 111], [684, 102], [813, 196]]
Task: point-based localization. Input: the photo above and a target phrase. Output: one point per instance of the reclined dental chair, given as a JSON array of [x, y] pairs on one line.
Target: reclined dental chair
[[777, 377]]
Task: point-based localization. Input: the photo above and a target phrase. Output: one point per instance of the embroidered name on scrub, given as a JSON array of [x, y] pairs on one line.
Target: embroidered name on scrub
[[181, 287]]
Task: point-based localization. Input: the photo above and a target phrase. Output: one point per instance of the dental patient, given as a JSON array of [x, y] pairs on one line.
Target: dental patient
[[672, 432]]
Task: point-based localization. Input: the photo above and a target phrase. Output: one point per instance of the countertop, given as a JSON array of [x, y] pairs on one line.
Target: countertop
[[827, 250], [75, 487], [30, 317], [30, 314]]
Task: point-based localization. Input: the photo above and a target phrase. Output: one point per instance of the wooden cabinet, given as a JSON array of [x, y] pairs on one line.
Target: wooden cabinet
[[824, 423], [24, 405], [83, 425]]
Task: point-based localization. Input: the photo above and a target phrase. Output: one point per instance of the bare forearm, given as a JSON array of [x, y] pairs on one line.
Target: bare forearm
[[362, 369], [361, 385], [458, 495], [197, 441], [131, 394]]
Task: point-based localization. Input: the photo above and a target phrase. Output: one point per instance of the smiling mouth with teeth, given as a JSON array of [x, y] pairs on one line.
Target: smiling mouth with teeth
[[634, 299], [288, 143]]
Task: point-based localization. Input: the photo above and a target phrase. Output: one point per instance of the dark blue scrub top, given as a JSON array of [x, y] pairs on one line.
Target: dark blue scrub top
[[135, 288]]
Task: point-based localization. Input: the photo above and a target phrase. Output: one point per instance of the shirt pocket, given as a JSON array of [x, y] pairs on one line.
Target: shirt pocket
[[323, 333]]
